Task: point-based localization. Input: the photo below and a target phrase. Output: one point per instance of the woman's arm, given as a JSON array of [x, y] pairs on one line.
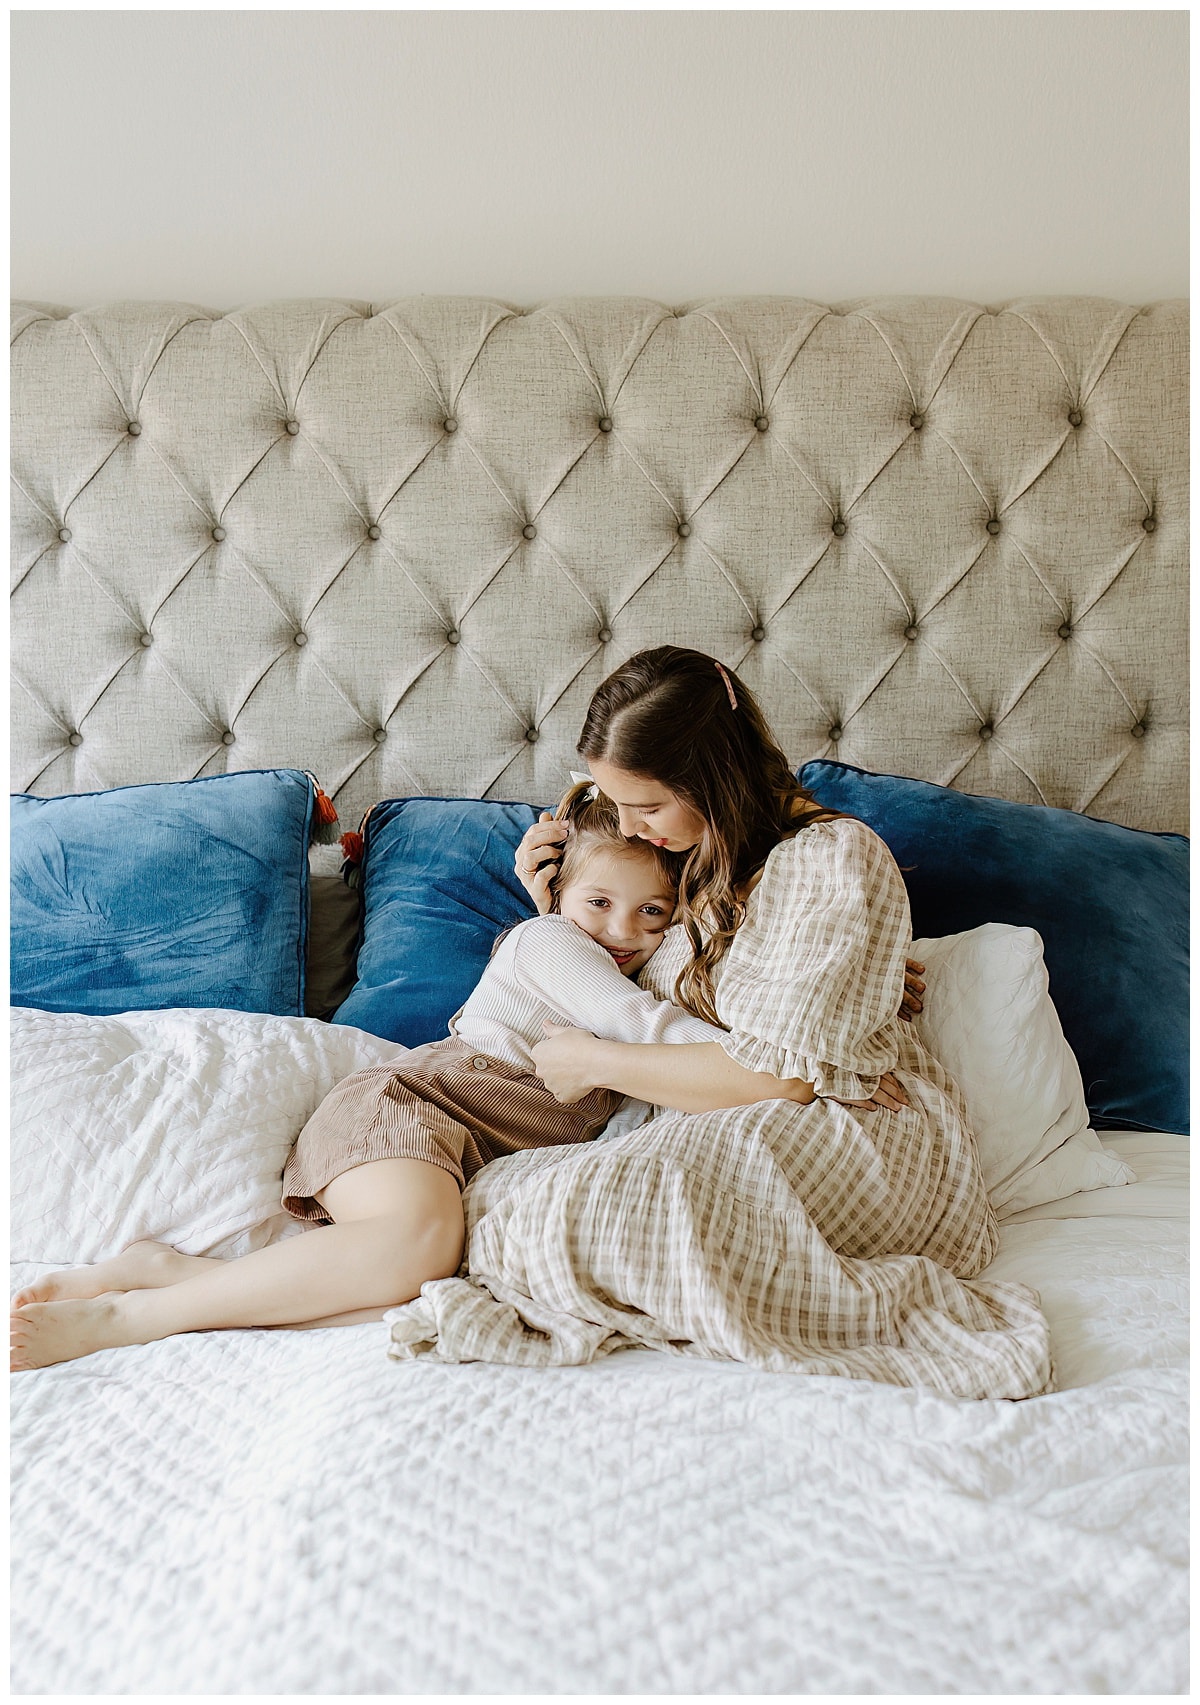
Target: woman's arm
[[691, 1077]]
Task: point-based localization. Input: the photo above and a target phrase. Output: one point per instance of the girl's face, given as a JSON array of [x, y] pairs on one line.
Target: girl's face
[[621, 901], [647, 809]]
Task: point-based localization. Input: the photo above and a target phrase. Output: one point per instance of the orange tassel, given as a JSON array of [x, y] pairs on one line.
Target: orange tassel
[[352, 845], [324, 815]]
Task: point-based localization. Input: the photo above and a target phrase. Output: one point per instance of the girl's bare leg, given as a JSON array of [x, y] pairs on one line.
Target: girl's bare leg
[[397, 1224], [143, 1266]]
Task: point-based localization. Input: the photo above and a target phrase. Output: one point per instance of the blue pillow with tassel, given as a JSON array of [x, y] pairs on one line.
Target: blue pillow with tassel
[[438, 886], [1110, 904], [171, 894]]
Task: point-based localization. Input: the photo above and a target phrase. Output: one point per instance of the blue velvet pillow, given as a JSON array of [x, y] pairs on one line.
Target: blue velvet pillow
[[1110, 904], [438, 886], [189, 893]]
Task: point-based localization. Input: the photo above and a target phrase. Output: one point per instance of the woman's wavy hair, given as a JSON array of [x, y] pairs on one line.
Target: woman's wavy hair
[[680, 718], [595, 823]]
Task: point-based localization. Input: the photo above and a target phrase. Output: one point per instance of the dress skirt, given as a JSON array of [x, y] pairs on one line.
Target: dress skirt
[[445, 1103]]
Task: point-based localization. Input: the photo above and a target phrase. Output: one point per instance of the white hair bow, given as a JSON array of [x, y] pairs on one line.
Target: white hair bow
[[581, 775]]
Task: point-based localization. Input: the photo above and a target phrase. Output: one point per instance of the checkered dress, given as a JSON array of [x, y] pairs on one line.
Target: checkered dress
[[812, 1239]]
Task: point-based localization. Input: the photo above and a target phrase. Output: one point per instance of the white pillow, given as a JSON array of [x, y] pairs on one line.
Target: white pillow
[[990, 1021], [173, 1125]]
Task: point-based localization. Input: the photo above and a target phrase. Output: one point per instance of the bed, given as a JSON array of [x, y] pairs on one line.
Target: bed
[[397, 546]]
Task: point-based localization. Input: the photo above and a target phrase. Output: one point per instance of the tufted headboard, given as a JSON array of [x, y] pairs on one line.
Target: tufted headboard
[[400, 545]]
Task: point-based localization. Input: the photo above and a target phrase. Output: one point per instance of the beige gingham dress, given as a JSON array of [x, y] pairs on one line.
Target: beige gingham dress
[[815, 1239]]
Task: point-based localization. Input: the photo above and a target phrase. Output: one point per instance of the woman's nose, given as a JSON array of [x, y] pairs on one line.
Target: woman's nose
[[631, 822]]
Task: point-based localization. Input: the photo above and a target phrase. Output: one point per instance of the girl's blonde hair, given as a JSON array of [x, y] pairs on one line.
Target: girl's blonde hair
[[594, 823], [679, 718]]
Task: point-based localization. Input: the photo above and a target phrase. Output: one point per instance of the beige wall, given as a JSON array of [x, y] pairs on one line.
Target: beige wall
[[225, 157]]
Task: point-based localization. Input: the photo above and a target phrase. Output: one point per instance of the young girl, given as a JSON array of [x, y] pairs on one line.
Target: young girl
[[380, 1165]]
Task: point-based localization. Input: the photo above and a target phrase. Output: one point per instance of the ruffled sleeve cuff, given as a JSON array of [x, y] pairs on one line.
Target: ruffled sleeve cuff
[[826, 1079]]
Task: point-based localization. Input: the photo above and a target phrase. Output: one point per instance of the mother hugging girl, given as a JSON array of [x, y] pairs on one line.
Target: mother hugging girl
[[806, 1197]]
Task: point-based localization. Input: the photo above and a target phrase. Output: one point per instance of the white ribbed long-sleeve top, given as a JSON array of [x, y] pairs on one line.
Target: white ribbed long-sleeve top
[[548, 968]]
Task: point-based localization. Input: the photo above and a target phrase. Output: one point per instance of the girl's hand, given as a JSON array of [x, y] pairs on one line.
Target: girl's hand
[[890, 1094], [537, 858], [910, 1002], [565, 1060]]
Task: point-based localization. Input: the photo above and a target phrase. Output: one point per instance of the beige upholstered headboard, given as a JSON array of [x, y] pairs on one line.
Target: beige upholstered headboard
[[399, 545]]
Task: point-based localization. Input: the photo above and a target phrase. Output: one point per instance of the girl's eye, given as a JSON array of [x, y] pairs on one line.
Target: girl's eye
[[598, 903], [653, 911]]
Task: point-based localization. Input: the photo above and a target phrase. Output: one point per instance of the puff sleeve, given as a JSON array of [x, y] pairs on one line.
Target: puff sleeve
[[812, 982]]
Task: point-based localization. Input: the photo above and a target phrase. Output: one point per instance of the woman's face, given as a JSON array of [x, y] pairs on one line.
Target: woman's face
[[648, 810]]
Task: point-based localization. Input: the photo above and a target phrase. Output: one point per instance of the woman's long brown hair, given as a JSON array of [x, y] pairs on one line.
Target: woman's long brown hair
[[667, 715]]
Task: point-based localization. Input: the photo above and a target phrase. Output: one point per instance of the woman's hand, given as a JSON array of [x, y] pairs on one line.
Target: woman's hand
[[890, 1094], [910, 1002], [566, 1060], [537, 859]]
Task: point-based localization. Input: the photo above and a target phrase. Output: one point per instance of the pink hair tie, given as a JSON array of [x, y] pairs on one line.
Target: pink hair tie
[[728, 685]]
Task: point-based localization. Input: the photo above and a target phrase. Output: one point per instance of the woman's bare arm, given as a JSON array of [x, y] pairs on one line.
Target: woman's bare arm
[[691, 1077]]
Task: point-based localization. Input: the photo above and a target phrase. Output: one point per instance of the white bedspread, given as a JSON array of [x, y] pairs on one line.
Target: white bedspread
[[274, 1512]]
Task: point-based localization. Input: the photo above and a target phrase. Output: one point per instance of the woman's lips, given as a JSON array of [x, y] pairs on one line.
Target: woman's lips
[[623, 957]]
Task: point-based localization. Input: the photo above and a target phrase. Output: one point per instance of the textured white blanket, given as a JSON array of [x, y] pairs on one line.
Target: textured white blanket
[[273, 1512]]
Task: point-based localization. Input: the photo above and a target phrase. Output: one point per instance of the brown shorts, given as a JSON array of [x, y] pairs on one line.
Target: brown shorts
[[445, 1103]]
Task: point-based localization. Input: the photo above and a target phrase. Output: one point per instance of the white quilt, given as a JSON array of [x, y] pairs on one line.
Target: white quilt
[[274, 1512]]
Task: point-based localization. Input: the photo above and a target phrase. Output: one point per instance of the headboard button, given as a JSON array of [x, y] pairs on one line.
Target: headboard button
[[986, 731], [379, 736], [1149, 524], [604, 423], [75, 739], [762, 423], [228, 737], [1075, 417], [300, 639], [916, 421], [911, 631], [529, 531], [292, 427], [684, 529], [993, 526], [531, 735], [1138, 730], [604, 635], [134, 428], [64, 534], [1065, 631], [758, 634], [835, 733], [218, 534], [839, 528], [146, 639], [451, 636], [374, 532], [449, 424]]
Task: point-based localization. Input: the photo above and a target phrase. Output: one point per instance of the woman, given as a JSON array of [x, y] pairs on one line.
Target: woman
[[829, 1228]]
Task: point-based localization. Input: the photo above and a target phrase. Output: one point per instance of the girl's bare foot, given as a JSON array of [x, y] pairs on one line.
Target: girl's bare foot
[[143, 1266], [42, 1333]]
